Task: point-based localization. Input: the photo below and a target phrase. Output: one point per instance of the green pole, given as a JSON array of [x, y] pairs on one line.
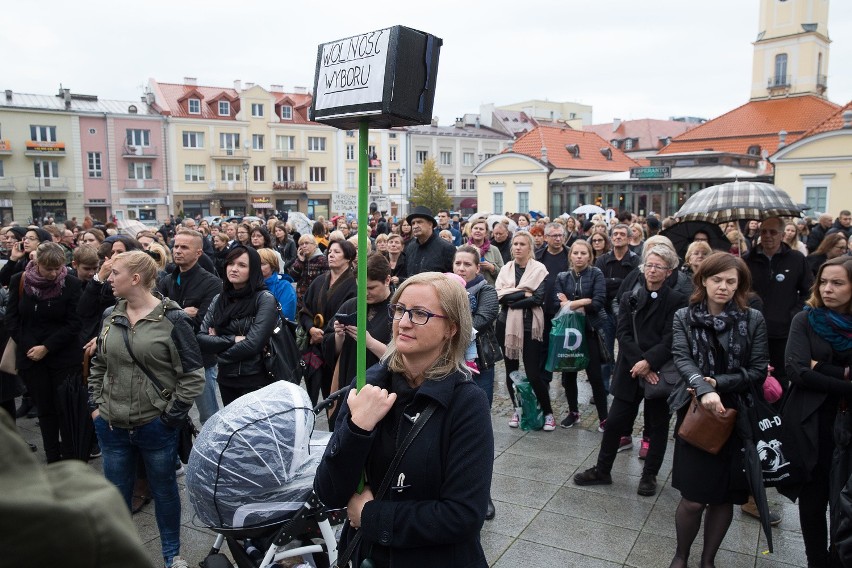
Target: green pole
[[363, 241]]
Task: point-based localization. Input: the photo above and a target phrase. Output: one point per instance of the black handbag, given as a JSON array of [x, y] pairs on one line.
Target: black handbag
[[281, 357], [669, 379]]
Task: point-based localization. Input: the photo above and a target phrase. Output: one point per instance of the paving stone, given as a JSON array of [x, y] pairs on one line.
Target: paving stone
[[590, 538], [525, 553]]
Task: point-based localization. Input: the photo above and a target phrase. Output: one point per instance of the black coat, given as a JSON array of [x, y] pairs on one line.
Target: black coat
[[445, 476], [783, 283], [652, 340], [435, 255], [243, 359], [53, 323]]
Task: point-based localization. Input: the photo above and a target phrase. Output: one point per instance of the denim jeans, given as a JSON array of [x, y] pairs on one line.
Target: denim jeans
[[206, 401], [156, 443], [610, 323], [485, 380]]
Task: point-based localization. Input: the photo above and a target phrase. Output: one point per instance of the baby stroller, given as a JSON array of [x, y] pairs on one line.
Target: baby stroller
[[250, 479]]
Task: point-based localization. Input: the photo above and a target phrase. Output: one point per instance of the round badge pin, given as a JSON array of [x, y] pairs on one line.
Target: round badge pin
[[779, 277]]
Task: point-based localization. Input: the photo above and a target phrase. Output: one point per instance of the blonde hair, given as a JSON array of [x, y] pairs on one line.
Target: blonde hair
[[269, 257], [163, 252], [456, 307], [138, 262]]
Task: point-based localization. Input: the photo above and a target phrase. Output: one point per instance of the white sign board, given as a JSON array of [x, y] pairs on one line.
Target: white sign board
[[352, 70], [344, 203]]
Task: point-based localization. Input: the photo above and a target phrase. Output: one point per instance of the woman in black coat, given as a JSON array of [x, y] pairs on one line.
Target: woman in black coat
[[41, 317], [238, 325], [644, 340], [719, 346], [818, 358], [434, 509]]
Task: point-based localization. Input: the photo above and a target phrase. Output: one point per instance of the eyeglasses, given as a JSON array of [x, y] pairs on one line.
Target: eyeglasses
[[556, 236], [416, 316], [29, 238], [656, 267], [597, 241]]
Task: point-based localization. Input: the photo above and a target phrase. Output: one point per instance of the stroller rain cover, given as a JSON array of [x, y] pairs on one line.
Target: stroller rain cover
[[253, 462]]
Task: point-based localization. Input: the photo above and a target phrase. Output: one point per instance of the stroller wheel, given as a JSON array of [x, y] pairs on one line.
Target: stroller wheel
[[216, 561]]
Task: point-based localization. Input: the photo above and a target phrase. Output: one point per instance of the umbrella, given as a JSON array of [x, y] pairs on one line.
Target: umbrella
[[841, 465], [300, 222], [491, 219], [131, 226], [588, 210], [75, 426], [738, 200], [754, 469], [681, 235]]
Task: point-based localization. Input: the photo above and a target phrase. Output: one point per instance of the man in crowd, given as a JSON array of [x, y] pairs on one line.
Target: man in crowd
[[444, 224], [500, 239], [843, 224], [818, 231], [194, 288], [426, 251], [554, 256]]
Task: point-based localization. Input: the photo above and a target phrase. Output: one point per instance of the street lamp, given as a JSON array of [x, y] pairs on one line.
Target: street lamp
[[245, 175], [40, 199]]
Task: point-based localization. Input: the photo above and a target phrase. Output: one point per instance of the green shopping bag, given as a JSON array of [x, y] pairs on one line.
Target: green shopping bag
[[532, 417], [567, 349]]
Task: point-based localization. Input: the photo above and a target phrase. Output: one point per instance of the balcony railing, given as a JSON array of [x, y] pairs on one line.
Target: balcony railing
[[778, 82], [229, 153], [375, 163], [291, 185], [5, 147], [7, 184], [142, 184], [294, 155], [130, 151], [47, 184]]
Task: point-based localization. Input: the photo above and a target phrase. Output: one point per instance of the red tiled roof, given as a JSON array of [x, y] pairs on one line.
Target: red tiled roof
[[556, 139], [648, 131], [756, 122], [833, 122]]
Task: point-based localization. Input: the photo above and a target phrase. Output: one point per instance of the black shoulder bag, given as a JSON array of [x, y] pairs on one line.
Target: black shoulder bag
[[343, 559], [188, 431]]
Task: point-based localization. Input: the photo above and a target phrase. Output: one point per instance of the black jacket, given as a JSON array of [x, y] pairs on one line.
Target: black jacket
[[95, 298], [783, 283], [505, 249], [444, 479], [53, 323], [651, 340], [816, 236], [245, 358], [196, 290], [589, 284], [435, 255], [487, 308], [615, 271]]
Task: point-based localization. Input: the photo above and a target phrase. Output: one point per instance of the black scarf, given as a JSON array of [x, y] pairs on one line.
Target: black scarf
[[705, 328], [236, 304]]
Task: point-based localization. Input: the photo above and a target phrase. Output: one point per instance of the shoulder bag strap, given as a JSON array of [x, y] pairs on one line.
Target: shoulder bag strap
[[343, 559], [164, 392]]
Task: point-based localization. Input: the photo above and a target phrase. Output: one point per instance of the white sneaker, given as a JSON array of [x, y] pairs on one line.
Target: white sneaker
[[178, 562], [549, 423], [515, 420]]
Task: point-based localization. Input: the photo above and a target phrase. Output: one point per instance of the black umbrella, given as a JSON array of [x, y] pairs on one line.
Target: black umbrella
[[681, 235], [75, 426], [754, 468]]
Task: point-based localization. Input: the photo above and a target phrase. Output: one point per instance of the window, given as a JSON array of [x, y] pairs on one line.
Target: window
[[139, 170], [449, 184], [780, 70], [194, 172], [257, 141], [316, 143], [392, 135], [45, 169], [523, 201], [285, 142], [229, 141], [194, 106], [817, 198], [259, 173], [95, 169], [615, 142], [193, 139], [286, 112], [472, 184], [371, 151], [317, 174], [1, 168], [138, 137], [467, 158], [42, 133], [231, 173], [446, 158], [393, 180], [487, 156], [350, 134], [498, 201], [286, 173], [224, 108], [464, 184], [350, 151], [421, 156], [392, 153], [628, 143], [371, 180], [257, 110], [350, 179]]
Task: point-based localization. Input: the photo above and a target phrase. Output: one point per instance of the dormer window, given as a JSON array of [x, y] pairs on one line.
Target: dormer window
[[286, 112], [194, 106], [615, 143], [628, 143], [224, 108]]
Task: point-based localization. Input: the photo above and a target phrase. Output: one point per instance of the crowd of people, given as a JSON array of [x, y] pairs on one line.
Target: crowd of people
[[180, 316]]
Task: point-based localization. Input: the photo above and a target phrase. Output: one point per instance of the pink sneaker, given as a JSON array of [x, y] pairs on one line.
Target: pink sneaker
[[549, 423], [515, 420], [474, 368], [643, 448]]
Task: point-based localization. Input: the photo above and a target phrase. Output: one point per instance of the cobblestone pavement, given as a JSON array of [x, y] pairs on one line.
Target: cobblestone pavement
[[543, 519]]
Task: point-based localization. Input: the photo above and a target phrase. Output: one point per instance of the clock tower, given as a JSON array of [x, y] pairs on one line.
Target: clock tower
[[791, 51]]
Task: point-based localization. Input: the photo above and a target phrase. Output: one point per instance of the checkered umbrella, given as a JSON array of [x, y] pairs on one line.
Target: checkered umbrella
[[738, 200]]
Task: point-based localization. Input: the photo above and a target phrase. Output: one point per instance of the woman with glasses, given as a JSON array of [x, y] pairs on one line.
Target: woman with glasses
[[244, 234], [600, 245], [520, 325], [832, 246], [309, 264], [396, 260], [438, 493], [23, 252], [696, 252], [490, 259]]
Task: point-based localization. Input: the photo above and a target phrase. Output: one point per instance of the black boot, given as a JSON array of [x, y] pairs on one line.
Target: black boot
[[490, 511], [26, 405]]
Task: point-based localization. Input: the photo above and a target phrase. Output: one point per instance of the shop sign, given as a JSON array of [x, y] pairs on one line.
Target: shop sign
[[33, 146], [142, 201], [651, 172]]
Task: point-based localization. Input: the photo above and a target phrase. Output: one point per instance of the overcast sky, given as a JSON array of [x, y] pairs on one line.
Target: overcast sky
[[627, 59]]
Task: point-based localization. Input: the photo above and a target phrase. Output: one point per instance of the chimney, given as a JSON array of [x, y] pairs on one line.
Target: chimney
[[434, 121], [459, 122], [782, 138], [476, 123], [238, 85], [300, 90], [511, 146], [276, 88], [544, 154], [8, 95], [192, 81], [616, 124], [66, 94], [149, 98], [249, 85], [847, 114]]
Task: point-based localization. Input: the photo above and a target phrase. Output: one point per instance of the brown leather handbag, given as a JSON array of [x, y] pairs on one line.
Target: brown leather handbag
[[705, 429]]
